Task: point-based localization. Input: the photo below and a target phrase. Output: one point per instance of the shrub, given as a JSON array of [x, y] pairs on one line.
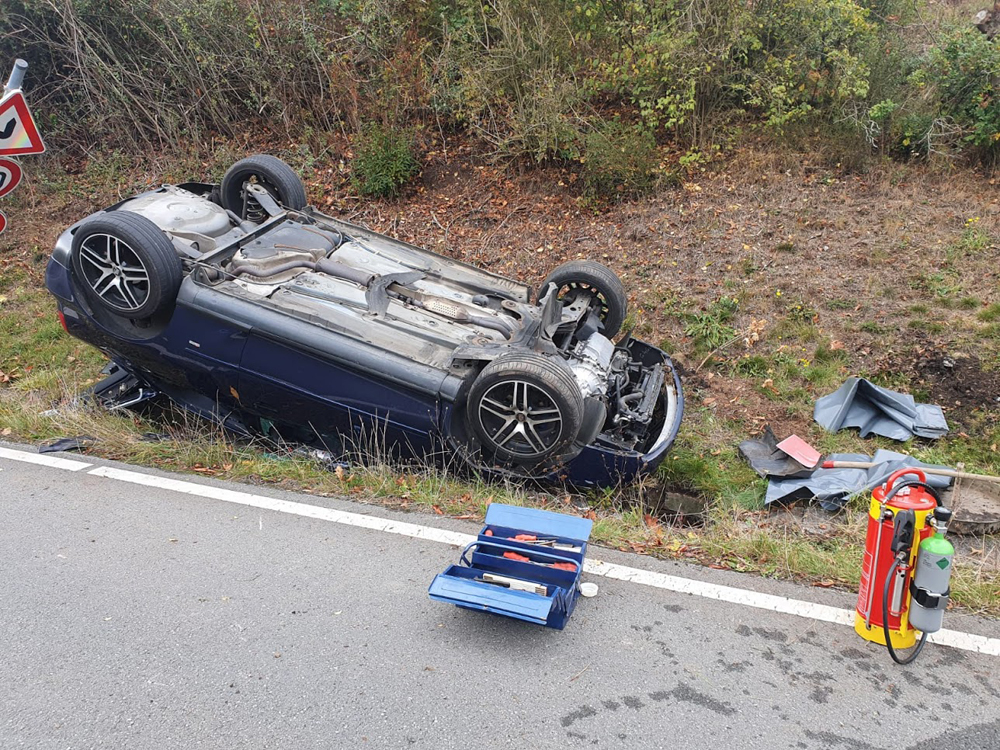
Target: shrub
[[383, 161], [964, 74], [805, 56], [620, 160], [163, 71], [516, 77]]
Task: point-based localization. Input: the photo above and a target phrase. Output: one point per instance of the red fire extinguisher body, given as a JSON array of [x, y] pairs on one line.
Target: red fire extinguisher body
[[878, 559]]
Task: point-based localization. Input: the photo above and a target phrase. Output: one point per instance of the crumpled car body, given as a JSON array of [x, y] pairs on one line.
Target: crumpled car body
[[242, 304]]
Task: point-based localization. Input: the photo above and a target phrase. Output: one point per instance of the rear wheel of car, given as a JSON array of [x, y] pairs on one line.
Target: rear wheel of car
[[601, 281], [126, 265], [525, 409], [269, 172]]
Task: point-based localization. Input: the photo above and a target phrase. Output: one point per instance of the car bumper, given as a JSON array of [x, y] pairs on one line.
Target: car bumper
[[601, 466]]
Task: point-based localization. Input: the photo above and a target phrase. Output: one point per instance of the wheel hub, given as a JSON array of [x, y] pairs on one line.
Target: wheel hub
[[521, 418], [115, 272]]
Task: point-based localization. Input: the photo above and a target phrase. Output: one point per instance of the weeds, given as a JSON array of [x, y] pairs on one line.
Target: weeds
[[383, 161], [710, 329], [621, 161]]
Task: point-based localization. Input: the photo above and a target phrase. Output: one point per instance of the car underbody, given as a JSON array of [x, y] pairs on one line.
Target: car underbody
[[286, 318]]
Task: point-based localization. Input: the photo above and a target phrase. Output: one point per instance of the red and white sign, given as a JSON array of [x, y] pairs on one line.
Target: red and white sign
[[18, 134], [10, 175], [3, 223]]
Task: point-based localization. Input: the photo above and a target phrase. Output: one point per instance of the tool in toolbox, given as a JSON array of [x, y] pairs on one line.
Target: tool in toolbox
[[525, 564], [554, 543]]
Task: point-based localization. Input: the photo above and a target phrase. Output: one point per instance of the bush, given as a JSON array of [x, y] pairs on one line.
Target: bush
[[533, 78], [162, 71], [383, 161], [805, 57], [517, 85], [964, 75], [620, 160]]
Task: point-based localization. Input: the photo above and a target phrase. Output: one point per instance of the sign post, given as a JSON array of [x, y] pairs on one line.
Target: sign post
[[18, 133]]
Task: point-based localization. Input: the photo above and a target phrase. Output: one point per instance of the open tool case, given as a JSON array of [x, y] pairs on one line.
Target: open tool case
[[525, 563]]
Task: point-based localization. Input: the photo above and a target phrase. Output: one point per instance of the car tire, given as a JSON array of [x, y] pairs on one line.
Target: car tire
[[126, 265], [525, 409], [602, 281], [273, 174]]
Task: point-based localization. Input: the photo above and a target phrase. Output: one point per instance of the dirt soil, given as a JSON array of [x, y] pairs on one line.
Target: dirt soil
[[959, 382], [853, 255], [795, 241]]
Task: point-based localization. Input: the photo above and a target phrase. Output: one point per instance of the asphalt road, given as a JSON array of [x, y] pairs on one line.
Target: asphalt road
[[136, 617]]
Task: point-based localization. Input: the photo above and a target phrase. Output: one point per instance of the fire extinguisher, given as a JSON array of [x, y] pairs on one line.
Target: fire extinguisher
[[893, 603]]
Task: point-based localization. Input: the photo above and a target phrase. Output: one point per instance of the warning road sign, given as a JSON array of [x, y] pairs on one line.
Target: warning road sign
[[3, 223], [10, 176], [18, 134]]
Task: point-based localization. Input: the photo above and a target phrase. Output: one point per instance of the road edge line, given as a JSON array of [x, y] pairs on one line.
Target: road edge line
[[42, 459], [746, 597]]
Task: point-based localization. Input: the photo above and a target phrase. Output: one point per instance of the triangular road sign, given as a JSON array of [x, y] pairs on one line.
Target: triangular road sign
[[3, 223], [18, 134], [10, 176]]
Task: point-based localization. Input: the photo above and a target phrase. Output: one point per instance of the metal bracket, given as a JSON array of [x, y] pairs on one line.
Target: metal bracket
[[265, 200], [16, 76]]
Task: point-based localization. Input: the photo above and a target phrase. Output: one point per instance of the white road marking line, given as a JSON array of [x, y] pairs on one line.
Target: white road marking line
[[784, 605], [43, 460], [285, 506], [810, 610]]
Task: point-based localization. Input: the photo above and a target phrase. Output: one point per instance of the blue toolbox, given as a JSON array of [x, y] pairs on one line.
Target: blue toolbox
[[525, 563]]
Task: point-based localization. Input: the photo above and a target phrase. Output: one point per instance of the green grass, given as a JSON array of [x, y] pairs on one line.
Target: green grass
[[990, 314], [710, 329], [969, 303], [871, 326]]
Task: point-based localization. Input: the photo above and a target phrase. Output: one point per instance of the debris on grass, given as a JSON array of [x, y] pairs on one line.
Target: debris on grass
[[834, 487], [879, 411], [768, 460], [78, 443]]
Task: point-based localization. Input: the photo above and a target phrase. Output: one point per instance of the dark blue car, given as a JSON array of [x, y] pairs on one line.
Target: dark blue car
[[241, 303]]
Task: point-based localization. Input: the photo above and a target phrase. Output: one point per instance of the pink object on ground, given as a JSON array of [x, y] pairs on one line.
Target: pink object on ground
[[800, 450]]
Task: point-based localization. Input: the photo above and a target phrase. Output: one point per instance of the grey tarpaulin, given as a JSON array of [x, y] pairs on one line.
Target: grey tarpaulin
[[873, 409], [832, 487], [768, 460]]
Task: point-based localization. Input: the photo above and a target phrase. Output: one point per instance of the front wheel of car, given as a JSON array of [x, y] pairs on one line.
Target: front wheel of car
[[596, 279], [272, 174], [525, 409], [126, 265]]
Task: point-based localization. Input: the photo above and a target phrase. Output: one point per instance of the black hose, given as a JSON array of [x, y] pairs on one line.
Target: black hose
[[885, 621], [892, 570]]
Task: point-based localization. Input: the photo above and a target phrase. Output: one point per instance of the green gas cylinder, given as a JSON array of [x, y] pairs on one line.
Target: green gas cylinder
[[931, 582]]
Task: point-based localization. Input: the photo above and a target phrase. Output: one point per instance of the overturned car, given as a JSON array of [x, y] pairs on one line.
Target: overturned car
[[241, 303]]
